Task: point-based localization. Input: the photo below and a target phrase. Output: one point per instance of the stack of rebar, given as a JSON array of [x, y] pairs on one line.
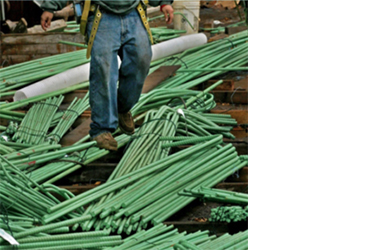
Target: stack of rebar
[[150, 194], [86, 240], [75, 109], [205, 62], [148, 185], [229, 214], [217, 195], [161, 34], [150, 143], [22, 74], [166, 238], [63, 166], [35, 125], [17, 194]]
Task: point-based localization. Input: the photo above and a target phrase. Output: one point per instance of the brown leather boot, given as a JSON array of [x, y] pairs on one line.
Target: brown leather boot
[[126, 123], [106, 141]]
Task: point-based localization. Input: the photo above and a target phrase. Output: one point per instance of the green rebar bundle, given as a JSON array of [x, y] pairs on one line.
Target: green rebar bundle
[[154, 197], [224, 54], [173, 97], [17, 194], [24, 102], [145, 149], [229, 214], [107, 202], [167, 238], [121, 182], [65, 165], [36, 159], [75, 109], [22, 74], [35, 125], [162, 237], [89, 240], [5, 149], [161, 34], [237, 241], [218, 195]]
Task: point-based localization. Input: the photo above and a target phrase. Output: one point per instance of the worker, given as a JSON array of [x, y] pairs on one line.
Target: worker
[[120, 32]]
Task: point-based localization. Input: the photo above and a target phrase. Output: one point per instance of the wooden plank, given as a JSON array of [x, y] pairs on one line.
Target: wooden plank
[[90, 174], [78, 189], [237, 140], [217, 37], [81, 119], [234, 186], [239, 132], [225, 85], [80, 93], [241, 116], [234, 30], [102, 165], [159, 75], [7, 60], [242, 83], [231, 186], [238, 112], [241, 148], [233, 97], [44, 38], [77, 134], [226, 4], [208, 23], [101, 170], [37, 49]]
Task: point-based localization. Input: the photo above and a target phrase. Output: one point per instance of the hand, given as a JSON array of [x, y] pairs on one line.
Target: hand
[[45, 20], [168, 13]]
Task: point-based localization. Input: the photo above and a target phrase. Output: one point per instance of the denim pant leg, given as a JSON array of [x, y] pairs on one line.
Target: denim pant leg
[[104, 74], [135, 54]]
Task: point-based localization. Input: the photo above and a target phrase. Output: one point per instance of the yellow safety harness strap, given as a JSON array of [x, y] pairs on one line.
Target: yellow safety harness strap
[[85, 14], [94, 29], [142, 14]]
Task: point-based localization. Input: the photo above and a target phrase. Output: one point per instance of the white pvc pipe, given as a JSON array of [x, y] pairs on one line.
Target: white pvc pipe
[[81, 73], [177, 45], [60, 81]]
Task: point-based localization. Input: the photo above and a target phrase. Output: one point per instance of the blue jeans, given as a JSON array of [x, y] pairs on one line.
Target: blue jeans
[[126, 36]]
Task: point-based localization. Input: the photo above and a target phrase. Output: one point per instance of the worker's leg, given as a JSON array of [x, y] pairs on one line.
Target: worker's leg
[[135, 54], [104, 74]]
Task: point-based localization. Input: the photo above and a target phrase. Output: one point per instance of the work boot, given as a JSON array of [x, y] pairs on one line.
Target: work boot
[[106, 141], [126, 123]]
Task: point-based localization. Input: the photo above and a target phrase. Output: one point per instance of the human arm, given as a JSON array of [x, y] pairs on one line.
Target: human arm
[[168, 13], [165, 7], [49, 7]]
